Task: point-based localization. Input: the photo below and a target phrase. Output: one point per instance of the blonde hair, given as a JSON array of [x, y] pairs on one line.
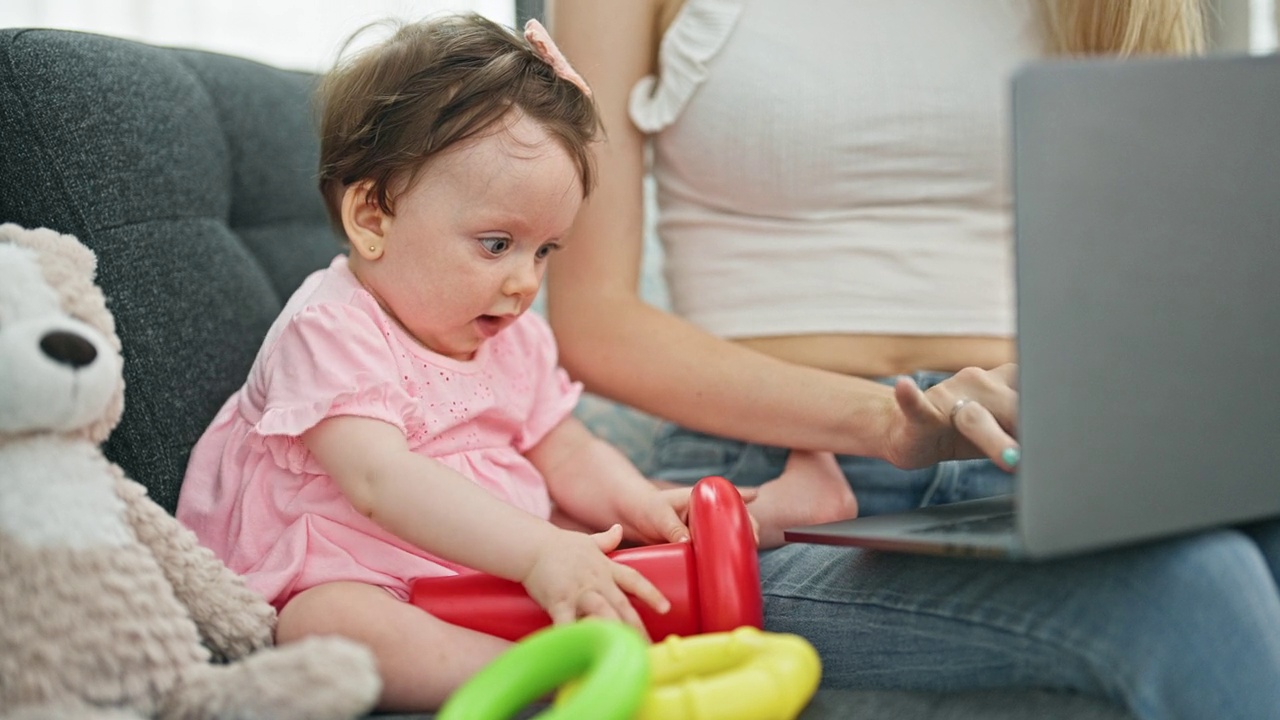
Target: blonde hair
[[1123, 27]]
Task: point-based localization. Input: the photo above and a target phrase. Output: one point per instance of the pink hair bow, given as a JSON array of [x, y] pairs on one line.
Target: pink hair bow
[[542, 44]]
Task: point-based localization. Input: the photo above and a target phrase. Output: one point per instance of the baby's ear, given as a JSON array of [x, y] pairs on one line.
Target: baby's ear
[[363, 220]]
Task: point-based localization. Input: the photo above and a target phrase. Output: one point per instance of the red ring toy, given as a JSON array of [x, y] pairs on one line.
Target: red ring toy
[[713, 582]]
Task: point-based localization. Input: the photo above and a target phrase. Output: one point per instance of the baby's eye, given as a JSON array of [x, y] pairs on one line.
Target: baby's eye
[[495, 245], [547, 249]]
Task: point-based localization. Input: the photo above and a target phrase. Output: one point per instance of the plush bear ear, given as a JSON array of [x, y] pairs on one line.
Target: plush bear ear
[[78, 258], [62, 257], [67, 251]]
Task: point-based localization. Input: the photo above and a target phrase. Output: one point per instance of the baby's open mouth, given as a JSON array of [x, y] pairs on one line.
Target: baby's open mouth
[[490, 324]]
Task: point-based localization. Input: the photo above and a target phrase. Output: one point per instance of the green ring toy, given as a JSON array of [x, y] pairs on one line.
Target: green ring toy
[[611, 658]]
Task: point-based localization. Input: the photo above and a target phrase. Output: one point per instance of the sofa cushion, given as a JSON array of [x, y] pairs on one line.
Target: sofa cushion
[[192, 176]]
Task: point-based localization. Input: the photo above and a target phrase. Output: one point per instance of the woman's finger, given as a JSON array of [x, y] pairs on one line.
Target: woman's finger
[[980, 427], [1008, 373], [1003, 405], [991, 389], [913, 402]]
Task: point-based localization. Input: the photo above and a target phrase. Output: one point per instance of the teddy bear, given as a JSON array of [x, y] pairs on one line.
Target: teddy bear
[[109, 608]]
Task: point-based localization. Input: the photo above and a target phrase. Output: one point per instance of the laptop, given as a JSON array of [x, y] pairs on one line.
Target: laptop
[[1147, 254]]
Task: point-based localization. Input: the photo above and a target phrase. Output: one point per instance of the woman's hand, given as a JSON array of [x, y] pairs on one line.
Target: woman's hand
[[572, 578], [972, 414]]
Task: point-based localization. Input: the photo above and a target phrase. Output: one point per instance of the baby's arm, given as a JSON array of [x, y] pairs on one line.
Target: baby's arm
[[428, 504], [595, 484]]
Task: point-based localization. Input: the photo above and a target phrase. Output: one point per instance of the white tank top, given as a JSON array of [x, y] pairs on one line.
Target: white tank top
[[837, 166]]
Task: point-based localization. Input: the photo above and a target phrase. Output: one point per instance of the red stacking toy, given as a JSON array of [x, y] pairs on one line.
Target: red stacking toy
[[713, 582]]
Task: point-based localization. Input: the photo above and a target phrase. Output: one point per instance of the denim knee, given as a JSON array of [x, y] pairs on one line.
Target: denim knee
[[1204, 639], [1266, 535], [1178, 628]]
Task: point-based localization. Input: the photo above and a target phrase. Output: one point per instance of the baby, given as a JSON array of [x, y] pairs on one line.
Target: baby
[[406, 415]]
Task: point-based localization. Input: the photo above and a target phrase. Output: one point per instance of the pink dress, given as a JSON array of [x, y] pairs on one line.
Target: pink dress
[[255, 496]]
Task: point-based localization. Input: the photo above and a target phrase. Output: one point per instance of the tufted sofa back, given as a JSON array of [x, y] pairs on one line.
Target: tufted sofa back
[[192, 175]]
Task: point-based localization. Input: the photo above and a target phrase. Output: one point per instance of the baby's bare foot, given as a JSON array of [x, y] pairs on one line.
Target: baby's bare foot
[[811, 489]]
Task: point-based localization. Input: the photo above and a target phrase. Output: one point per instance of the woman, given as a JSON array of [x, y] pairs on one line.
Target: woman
[[836, 223]]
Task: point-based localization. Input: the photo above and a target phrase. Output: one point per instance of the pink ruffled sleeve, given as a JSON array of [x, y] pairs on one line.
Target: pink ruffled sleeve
[[329, 361], [555, 395]]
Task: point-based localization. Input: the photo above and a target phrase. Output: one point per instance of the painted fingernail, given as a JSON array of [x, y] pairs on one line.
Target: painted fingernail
[[1011, 456]]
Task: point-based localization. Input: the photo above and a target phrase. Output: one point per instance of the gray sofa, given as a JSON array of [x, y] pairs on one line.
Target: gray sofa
[[191, 174]]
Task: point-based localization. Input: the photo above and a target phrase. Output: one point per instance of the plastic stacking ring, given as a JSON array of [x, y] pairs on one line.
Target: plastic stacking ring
[[611, 659], [746, 674]]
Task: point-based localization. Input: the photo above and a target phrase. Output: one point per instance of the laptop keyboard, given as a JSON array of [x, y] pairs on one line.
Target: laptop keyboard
[[1002, 523]]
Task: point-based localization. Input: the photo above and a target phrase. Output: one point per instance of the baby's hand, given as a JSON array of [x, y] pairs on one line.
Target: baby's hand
[[573, 578], [661, 518], [665, 517]]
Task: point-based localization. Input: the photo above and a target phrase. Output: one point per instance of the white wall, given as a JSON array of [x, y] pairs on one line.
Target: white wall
[[1264, 27], [1240, 26], [298, 34], [306, 34]]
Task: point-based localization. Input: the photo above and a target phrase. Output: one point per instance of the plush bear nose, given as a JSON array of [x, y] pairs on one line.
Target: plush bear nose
[[68, 348]]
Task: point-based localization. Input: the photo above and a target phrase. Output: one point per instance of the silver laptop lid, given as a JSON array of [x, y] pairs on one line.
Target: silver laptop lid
[[1147, 223]]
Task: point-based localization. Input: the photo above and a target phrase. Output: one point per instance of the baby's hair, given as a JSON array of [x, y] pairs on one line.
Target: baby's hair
[[388, 109]]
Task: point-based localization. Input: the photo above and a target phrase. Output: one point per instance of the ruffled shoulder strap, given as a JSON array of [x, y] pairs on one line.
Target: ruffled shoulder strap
[[697, 33]]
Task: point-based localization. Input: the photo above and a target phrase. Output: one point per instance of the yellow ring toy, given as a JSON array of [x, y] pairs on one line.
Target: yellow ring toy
[[609, 657], [745, 674]]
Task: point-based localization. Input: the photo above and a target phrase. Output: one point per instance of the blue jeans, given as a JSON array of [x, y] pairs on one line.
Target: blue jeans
[[1182, 628]]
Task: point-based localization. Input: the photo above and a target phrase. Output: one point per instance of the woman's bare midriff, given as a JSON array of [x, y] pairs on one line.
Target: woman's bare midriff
[[875, 356]]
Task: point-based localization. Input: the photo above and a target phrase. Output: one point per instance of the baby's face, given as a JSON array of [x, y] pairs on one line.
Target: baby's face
[[467, 248]]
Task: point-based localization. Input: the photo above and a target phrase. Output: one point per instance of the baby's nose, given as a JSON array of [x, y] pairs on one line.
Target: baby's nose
[[525, 280]]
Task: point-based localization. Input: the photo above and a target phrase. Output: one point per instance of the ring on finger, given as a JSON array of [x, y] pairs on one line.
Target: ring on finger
[[955, 409]]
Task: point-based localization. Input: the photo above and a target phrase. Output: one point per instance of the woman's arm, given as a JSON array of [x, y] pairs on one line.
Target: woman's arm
[[627, 350]]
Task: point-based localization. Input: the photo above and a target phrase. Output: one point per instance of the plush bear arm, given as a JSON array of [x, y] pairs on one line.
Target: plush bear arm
[[233, 620]]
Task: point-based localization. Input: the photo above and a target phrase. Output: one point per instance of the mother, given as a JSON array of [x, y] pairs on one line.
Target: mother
[[836, 222]]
